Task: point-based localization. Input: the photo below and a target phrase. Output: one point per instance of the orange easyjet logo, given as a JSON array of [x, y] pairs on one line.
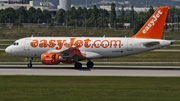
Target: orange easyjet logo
[[152, 22], [73, 42]]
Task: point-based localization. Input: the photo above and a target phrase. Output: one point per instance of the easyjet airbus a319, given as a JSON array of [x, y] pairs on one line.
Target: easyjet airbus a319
[[55, 50]]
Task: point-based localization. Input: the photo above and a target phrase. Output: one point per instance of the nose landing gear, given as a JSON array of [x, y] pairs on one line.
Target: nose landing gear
[[30, 62]]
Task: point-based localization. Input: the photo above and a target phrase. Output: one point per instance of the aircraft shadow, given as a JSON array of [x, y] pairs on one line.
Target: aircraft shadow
[[100, 68]]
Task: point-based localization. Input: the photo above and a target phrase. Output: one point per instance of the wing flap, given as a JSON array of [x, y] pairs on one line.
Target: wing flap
[[69, 52], [76, 52], [91, 55]]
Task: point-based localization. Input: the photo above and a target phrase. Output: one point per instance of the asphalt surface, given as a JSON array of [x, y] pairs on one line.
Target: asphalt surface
[[68, 70]]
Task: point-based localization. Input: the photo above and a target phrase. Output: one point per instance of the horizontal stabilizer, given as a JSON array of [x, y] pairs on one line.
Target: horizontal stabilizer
[[151, 44]]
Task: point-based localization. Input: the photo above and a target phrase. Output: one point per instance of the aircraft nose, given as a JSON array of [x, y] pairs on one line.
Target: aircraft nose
[[8, 50]]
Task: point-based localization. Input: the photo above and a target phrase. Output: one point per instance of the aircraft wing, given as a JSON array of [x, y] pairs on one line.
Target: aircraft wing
[[68, 52], [73, 51]]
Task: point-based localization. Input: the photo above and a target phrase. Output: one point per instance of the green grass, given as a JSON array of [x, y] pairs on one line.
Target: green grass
[[3, 46], [171, 48], [37, 88], [15, 33], [143, 57], [147, 57], [152, 56], [176, 43], [6, 42]]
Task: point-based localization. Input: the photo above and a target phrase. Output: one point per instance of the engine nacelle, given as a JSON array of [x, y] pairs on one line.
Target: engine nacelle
[[50, 59], [54, 59]]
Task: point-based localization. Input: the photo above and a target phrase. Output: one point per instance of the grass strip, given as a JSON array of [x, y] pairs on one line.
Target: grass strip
[[77, 88], [16, 33], [152, 56]]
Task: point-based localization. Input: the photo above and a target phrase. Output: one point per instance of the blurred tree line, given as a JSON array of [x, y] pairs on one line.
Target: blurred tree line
[[22, 15], [83, 17]]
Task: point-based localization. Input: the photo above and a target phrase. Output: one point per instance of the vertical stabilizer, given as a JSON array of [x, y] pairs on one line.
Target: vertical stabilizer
[[154, 27]]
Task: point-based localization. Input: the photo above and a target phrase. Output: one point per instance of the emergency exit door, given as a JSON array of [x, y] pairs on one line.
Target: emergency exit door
[[26, 44], [130, 45]]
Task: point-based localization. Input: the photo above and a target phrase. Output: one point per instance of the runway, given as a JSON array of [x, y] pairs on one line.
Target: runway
[[68, 70]]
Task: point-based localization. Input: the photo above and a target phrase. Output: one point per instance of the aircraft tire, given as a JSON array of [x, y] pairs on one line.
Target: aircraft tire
[[29, 65], [77, 65], [90, 64]]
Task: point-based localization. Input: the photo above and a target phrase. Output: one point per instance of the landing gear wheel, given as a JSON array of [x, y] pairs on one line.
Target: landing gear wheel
[[90, 64], [29, 65], [77, 65]]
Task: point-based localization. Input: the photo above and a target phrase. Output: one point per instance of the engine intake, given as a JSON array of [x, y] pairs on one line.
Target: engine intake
[[50, 59]]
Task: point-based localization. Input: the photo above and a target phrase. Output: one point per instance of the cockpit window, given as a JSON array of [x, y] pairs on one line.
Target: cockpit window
[[16, 43]]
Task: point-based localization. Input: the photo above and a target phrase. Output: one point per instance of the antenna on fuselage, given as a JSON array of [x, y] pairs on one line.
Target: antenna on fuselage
[[104, 36], [32, 36]]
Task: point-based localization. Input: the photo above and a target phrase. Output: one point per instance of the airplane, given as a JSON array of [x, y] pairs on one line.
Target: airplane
[[55, 50]]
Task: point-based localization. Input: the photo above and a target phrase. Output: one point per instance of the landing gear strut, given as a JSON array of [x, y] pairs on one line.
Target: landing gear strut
[[30, 62]]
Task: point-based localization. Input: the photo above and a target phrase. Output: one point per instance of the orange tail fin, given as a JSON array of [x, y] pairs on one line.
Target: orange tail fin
[[154, 27]]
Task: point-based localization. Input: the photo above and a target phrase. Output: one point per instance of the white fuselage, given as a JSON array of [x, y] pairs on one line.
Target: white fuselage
[[91, 47]]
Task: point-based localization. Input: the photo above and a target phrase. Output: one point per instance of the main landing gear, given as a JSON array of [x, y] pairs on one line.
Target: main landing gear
[[88, 64], [77, 65], [30, 62]]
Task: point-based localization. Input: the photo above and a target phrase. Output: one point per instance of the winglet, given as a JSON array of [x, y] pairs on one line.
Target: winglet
[[154, 27]]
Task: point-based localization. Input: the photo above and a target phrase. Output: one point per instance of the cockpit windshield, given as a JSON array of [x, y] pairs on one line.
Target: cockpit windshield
[[15, 43]]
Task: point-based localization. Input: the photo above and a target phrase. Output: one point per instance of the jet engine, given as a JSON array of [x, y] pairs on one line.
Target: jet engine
[[51, 59]]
